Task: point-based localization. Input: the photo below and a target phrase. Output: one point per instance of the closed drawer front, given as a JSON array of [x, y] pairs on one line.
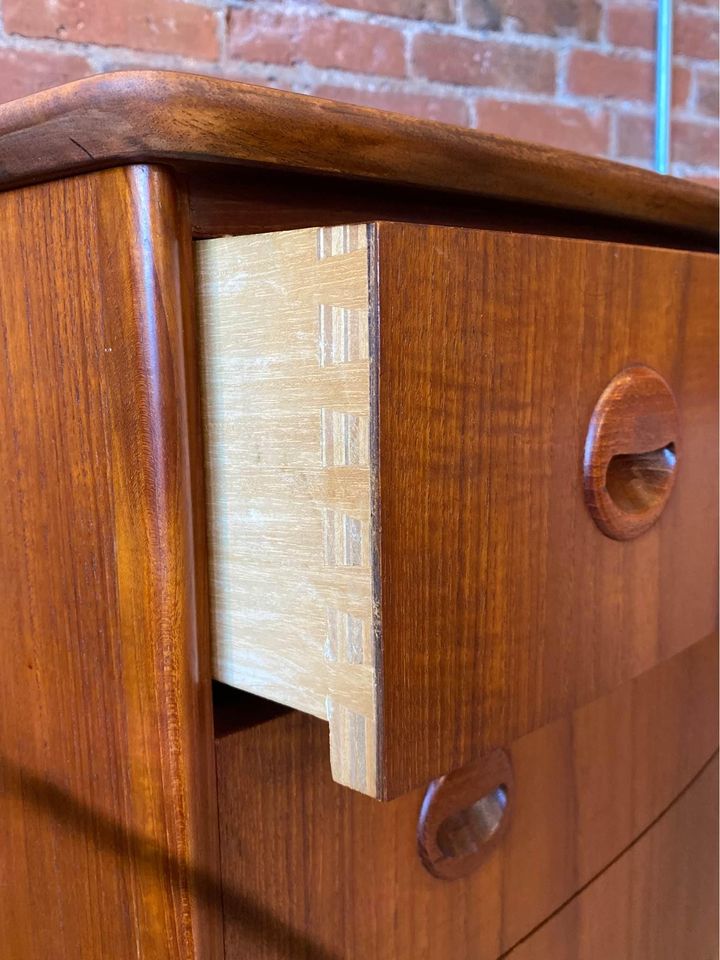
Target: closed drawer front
[[676, 863], [586, 788], [401, 537]]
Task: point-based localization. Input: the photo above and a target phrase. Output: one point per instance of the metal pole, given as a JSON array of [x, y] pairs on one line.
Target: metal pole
[[663, 85]]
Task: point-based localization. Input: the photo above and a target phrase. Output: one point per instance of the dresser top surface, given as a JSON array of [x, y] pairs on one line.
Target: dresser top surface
[[180, 119]]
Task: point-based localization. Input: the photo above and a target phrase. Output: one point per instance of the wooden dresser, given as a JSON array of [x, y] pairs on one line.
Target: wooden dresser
[[358, 568]]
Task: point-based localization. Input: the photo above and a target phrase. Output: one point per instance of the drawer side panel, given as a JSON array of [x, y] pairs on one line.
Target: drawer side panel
[[285, 357]]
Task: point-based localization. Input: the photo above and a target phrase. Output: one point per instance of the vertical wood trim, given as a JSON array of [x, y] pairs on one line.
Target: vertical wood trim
[[205, 885], [105, 717]]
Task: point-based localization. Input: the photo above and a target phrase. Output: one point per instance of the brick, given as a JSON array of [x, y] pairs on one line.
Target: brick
[[275, 37], [592, 74], [696, 35], [436, 11], [681, 78], [263, 36], [444, 109], [551, 18], [613, 76], [567, 127], [695, 144], [25, 72], [632, 27], [691, 143], [160, 26], [708, 102], [509, 66], [363, 47], [635, 136]]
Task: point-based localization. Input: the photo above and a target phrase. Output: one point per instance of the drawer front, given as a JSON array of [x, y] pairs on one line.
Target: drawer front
[[503, 604], [677, 913], [401, 540], [585, 788]]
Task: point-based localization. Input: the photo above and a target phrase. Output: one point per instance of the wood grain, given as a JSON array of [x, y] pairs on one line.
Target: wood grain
[[503, 605], [226, 201], [495, 603], [658, 902], [312, 870], [177, 118], [108, 800], [283, 329]]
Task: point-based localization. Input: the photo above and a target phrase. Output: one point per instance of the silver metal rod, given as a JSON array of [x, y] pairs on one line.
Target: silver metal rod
[[663, 85]]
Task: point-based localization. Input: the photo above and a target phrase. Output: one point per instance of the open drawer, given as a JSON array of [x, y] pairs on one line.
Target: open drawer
[[406, 525]]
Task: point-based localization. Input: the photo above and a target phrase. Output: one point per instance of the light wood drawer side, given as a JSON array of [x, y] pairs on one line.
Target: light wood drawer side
[[284, 331]]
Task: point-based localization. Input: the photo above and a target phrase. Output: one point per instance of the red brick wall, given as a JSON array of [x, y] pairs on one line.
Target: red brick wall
[[573, 73]]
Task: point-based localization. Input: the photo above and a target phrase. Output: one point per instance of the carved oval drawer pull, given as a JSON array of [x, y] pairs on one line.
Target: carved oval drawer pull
[[631, 453], [464, 815]]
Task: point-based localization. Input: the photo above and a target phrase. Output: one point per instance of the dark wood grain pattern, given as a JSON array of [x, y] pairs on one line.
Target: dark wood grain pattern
[[658, 902], [108, 801], [313, 870], [225, 200], [503, 604], [127, 117]]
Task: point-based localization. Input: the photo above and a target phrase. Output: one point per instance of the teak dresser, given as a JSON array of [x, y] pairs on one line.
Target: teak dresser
[[358, 564]]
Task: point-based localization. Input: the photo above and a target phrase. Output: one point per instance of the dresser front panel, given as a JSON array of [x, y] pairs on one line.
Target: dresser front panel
[[401, 540], [311, 869]]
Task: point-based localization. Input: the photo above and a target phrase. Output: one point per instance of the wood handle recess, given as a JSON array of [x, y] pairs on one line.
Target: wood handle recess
[[464, 815], [631, 452]]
